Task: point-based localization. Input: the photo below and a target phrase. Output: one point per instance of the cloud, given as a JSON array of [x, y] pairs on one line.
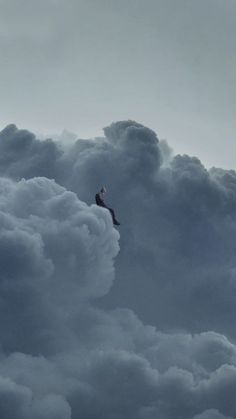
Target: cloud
[[22, 155], [105, 380], [177, 220], [17, 402], [211, 414], [76, 296], [47, 236]]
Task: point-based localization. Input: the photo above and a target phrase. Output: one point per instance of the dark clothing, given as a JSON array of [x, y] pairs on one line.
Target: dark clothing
[[113, 215], [101, 203]]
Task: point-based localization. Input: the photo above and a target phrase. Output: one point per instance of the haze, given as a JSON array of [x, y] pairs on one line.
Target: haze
[[80, 65]]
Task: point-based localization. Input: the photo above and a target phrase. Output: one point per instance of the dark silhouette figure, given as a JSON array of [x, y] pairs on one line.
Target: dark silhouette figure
[[99, 197]]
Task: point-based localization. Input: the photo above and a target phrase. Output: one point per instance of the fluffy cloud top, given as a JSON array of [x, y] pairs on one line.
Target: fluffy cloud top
[[67, 349], [55, 253]]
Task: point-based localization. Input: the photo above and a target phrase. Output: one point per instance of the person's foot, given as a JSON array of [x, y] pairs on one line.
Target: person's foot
[[116, 223]]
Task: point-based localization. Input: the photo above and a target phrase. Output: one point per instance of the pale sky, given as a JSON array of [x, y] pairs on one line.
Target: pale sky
[[82, 64]]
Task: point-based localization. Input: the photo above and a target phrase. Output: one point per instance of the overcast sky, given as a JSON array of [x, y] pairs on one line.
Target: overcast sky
[[81, 64], [135, 322]]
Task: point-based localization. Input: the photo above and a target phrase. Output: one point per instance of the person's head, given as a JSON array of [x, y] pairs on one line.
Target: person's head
[[103, 190]]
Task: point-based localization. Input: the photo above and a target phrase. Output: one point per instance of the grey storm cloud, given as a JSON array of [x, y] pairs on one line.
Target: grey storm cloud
[[48, 237], [177, 218], [76, 296]]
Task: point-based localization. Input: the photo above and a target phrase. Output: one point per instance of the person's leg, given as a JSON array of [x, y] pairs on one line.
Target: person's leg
[[113, 217], [112, 214]]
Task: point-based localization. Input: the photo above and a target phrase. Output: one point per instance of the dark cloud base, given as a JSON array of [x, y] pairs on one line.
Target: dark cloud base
[[77, 298]]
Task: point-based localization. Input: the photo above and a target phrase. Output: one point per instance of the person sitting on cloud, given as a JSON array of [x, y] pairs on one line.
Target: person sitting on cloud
[[99, 197]]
